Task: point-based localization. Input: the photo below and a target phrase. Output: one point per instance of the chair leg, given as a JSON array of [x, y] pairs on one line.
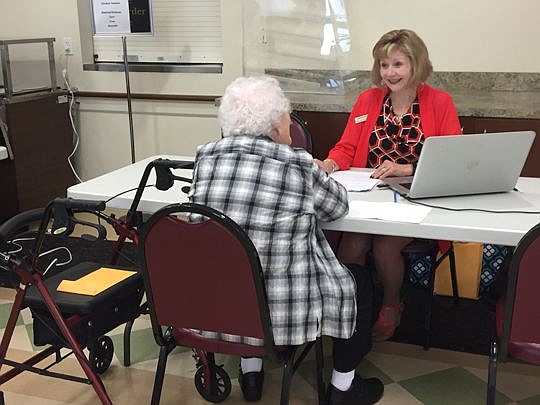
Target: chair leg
[[429, 303], [492, 373], [160, 372], [431, 289], [453, 276], [319, 355], [127, 343], [288, 371]]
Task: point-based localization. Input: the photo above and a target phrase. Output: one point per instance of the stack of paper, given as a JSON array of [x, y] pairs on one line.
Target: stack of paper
[[388, 211], [355, 180], [94, 283]]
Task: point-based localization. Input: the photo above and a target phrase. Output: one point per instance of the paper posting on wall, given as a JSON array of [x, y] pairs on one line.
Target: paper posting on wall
[[122, 17], [111, 17]]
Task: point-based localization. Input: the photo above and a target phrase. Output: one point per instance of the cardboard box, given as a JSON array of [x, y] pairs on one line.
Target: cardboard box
[[468, 269]]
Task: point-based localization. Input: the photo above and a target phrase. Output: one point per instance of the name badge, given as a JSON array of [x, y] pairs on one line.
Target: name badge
[[360, 118]]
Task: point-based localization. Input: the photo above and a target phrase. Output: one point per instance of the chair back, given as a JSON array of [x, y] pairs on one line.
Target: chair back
[[300, 133], [522, 310], [203, 274]]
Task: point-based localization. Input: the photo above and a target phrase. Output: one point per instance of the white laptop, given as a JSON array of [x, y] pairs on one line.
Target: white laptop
[[466, 164]]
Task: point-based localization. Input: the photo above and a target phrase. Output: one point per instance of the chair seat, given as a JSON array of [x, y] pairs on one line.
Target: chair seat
[[525, 351], [189, 338]]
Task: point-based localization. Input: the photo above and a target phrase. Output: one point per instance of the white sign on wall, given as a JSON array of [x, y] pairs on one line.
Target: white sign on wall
[[111, 17], [114, 17]]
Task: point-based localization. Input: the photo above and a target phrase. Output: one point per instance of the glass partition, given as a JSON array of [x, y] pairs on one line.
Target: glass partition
[[305, 44]]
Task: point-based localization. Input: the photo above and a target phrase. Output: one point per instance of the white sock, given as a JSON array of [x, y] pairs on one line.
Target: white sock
[[250, 364], [342, 381]]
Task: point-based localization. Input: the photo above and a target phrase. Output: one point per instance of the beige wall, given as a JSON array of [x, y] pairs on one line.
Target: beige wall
[[479, 35], [462, 35]]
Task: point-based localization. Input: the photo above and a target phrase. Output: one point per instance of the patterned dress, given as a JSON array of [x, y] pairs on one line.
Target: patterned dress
[[277, 194], [398, 139]]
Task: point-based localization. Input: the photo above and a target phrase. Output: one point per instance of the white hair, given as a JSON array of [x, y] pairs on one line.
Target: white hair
[[251, 106]]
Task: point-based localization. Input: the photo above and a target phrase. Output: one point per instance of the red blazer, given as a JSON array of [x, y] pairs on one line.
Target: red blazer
[[438, 117]]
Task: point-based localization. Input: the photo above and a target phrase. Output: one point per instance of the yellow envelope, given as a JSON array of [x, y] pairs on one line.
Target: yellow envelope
[[94, 283]]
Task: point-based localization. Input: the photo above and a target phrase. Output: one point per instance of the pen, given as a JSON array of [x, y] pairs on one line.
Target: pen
[[395, 196]]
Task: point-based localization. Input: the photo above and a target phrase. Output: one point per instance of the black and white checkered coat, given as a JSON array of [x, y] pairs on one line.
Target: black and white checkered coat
[[277, 194]]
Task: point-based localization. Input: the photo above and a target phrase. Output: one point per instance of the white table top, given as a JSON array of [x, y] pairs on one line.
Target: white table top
[[473, 226], [3, 153], [128, 177]]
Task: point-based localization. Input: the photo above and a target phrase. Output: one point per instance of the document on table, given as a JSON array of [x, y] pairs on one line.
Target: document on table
[[388, 211], [355, 180]]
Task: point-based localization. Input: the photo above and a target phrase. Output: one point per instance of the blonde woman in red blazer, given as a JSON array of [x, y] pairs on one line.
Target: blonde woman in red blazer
[[386, 130]]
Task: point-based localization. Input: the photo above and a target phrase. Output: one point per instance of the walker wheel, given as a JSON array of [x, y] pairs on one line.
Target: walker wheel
[[221, 389], [101, 354]]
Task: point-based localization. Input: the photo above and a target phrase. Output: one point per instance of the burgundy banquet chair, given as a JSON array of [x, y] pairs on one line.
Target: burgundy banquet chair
[[205, 274], [517, 313], [300, 133]]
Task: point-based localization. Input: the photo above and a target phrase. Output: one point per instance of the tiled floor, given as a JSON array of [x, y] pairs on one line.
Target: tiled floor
[[410, 374]]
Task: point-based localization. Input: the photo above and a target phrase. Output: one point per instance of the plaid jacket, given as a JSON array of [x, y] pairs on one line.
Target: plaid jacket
[[277, 194]]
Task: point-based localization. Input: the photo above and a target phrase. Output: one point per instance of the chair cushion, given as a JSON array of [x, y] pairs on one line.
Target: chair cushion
[[525, 351], [189, 338]]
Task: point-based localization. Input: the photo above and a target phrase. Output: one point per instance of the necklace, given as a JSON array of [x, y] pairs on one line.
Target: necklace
[[399, 107], [400, 115], [402, 108]]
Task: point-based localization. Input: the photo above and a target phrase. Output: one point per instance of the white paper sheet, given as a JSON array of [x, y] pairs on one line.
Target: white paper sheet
[[388, 211], [111, 17], [355, 180]]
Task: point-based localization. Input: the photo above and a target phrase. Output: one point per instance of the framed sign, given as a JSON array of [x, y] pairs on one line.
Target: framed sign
[[122, 17], [183, 32]]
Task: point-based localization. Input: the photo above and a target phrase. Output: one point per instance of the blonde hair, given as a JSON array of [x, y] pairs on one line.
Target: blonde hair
[[411, 45]]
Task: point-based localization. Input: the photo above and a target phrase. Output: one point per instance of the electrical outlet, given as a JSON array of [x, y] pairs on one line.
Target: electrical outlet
[[263, 37], [68, 46]]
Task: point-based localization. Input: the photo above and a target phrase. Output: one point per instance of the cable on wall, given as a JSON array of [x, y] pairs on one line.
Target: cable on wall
[[76, 136]]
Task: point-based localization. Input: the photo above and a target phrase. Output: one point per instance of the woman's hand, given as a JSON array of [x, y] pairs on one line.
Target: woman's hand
[[328, 165], [392, 169]]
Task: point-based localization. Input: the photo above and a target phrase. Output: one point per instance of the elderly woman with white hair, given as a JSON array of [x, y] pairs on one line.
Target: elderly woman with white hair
[[278, 195]]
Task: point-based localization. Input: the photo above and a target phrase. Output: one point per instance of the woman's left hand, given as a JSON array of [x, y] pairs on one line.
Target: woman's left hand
[[392, 169]]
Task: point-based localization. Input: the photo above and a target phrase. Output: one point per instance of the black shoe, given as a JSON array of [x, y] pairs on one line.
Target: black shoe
[[362, 391], [251, 384]]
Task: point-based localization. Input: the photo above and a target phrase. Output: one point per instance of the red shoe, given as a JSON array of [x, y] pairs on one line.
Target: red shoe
[[388, 321]]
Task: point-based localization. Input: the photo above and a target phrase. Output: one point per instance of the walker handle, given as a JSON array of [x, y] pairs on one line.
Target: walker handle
[[19, 221]]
